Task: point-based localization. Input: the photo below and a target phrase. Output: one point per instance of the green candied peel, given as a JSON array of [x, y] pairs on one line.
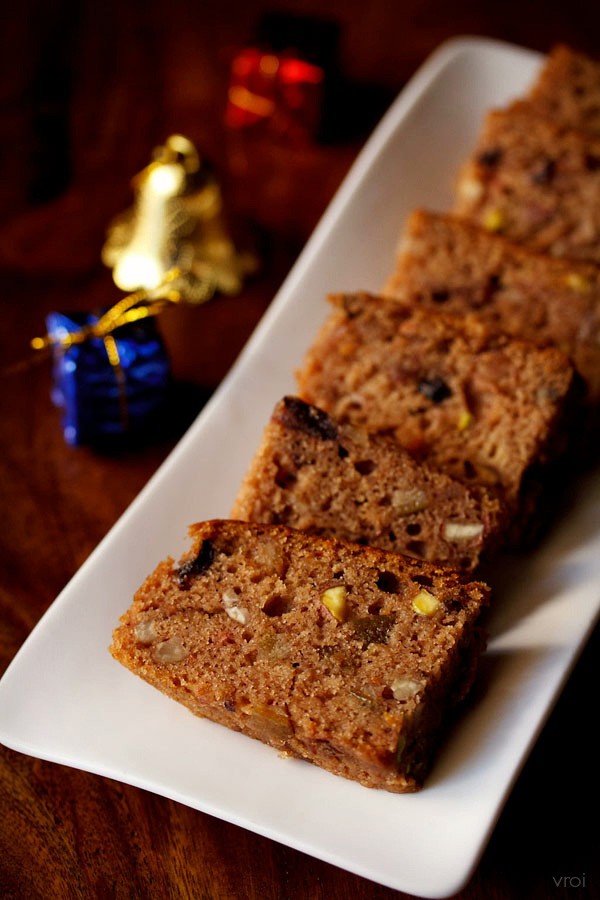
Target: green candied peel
[[373, 629]]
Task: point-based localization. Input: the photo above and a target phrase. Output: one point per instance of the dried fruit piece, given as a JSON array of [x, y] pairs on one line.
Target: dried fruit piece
[[145, 631], [193, 567], [303, 417], [577, 283], [410, 501], [405, 688], [462, 531], [494, 220], [425, 603], [465, 420], [373, 629], [334, 599], [273, 646], [269, 719], [170, 651], [230, 601], [470, 190]]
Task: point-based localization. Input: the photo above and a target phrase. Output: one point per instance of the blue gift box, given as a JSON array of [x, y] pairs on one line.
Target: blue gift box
[[107, 387]]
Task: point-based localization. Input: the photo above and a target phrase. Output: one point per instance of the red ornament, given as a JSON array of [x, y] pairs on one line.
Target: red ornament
[[282, 91]]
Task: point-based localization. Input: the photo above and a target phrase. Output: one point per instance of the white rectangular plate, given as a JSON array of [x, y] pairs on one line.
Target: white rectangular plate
[[64, 698]]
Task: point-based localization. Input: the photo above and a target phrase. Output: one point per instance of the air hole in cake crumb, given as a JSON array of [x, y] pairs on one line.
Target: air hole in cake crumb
[[592, 162], [326, 505], [387, 693], [413, 529], [176, 681], [365, 466], [389, 583], [469, 469], [284, 479], [384, 501], [250, 657], [375, 608], [417, 548], [342, 452], [392, 536], [275, 606], [423, 580], [339, 574], [443, 346]]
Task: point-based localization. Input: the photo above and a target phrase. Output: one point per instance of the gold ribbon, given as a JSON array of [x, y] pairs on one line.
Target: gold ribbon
[[132, 308]]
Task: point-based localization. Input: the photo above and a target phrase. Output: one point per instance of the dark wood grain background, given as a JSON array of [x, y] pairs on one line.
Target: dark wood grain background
[[86, 90]]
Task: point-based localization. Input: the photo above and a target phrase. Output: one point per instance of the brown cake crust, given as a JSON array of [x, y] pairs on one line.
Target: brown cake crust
[[240, 632], [568, 89], [536, 182], [471, 402], [315, 474], [444, 263]]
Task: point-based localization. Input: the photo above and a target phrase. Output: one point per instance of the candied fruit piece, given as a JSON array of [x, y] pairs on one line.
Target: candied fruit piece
[[494, 220], [425, 603], [334, 599], [577, 283], [373, 629]]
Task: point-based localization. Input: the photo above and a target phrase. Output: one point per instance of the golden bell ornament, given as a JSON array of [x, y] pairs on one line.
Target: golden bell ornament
[[176, 230]]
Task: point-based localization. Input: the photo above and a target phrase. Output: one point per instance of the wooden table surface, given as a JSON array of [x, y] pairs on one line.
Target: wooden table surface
[[87, 89]]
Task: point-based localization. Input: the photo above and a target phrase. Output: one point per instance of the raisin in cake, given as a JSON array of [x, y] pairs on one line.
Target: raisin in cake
[[568, 89], [466, 399], [445, 263], [346, 656], [318, 475], [536, 182]]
